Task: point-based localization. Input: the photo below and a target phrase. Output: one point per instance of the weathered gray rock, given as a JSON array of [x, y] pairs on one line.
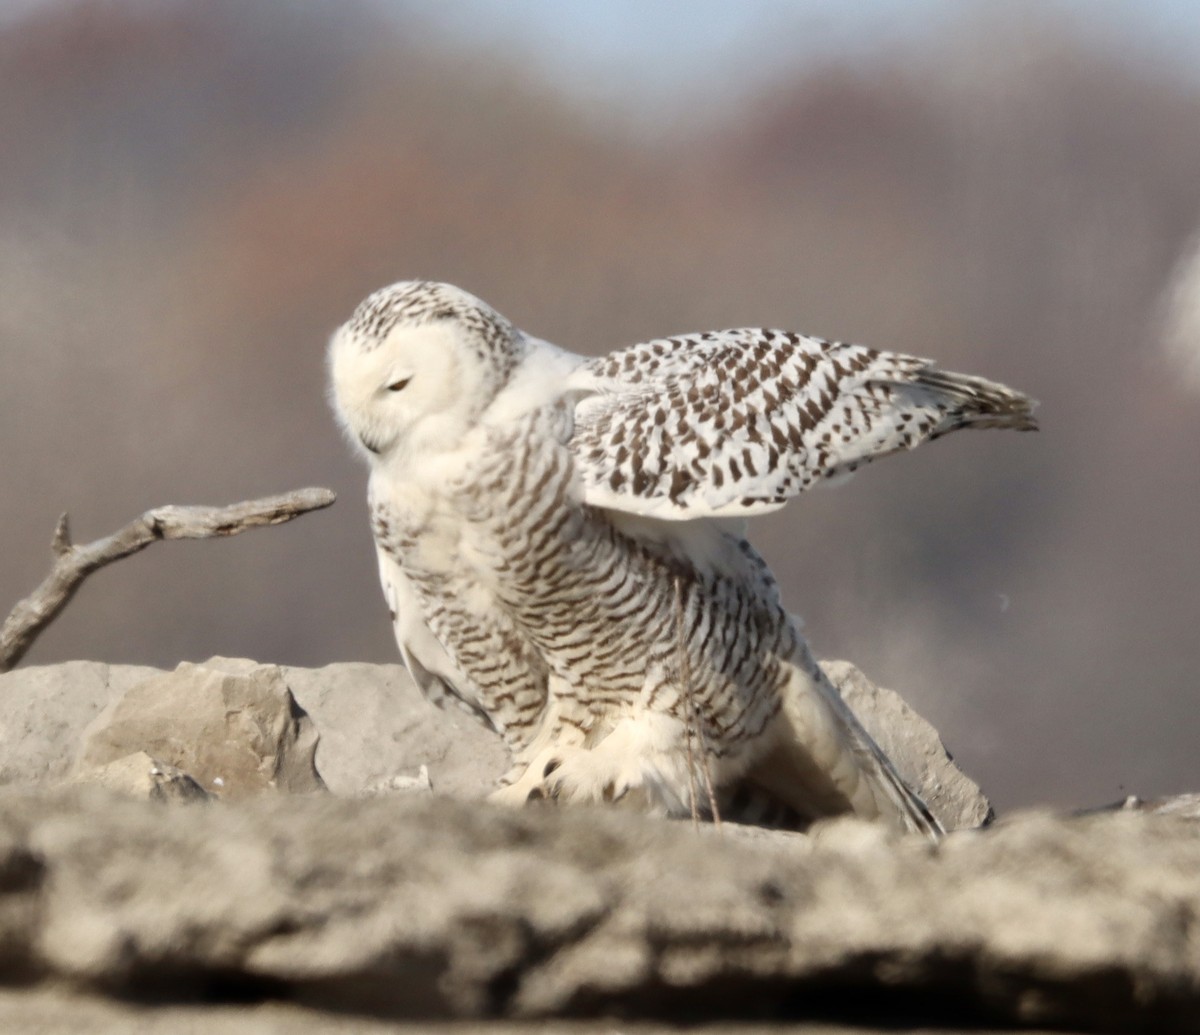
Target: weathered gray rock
[[377, 731], [417, 906], [1180, 806], [44, 710], [230, 724], [915, 748], [140, 776]]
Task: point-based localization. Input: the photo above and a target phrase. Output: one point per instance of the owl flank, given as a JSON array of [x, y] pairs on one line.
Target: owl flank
[[561, 545]]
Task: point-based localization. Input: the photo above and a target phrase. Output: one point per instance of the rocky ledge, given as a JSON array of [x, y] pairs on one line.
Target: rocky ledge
[[224, 887]]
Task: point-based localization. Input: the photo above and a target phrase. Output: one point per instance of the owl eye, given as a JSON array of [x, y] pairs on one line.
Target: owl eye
[[397, 385]]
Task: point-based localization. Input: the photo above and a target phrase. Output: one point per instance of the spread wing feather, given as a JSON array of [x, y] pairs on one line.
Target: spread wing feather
[[732, 423]]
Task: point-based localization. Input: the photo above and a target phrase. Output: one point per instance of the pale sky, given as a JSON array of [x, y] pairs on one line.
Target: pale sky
[[660, 54], [659, 41]]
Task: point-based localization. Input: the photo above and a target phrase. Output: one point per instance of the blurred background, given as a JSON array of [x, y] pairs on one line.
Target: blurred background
[[194, 194]]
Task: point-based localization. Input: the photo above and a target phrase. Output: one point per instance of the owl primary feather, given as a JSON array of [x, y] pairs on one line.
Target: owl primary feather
[[562, 551]]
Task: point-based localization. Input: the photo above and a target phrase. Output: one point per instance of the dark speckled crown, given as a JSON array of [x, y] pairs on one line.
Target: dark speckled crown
[[497, 343]]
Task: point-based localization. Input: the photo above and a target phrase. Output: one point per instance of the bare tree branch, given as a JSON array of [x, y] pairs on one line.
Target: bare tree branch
[[73, 564]]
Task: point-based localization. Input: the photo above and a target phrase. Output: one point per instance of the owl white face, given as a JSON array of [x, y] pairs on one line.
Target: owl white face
[[417, 387]]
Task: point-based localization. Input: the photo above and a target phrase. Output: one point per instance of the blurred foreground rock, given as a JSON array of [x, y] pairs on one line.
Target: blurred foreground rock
[[423, 907], [385, 901]]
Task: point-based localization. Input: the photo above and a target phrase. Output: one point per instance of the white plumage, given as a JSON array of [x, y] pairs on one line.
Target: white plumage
[[556, 548]]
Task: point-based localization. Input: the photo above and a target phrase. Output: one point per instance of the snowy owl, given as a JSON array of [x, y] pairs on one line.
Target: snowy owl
[[562, 549]]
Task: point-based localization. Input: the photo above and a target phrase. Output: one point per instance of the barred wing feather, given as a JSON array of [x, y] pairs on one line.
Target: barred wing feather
[[733, 423]]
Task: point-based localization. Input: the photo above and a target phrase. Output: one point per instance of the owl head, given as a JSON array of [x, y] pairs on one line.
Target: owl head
[[416, 365]]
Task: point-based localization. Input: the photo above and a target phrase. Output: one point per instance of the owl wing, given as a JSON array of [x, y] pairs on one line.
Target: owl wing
[[426, 659], [733, 423], [465, 659]]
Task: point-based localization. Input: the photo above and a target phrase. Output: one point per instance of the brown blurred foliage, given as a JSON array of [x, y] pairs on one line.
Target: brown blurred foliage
[[193, 196]]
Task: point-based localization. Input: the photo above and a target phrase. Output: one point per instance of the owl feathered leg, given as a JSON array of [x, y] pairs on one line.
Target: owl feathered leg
[[537, 760], [638, 764], [814, 760]]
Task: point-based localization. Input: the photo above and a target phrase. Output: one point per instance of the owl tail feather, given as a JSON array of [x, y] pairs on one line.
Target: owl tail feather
[[976, 402], [824, 763]]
